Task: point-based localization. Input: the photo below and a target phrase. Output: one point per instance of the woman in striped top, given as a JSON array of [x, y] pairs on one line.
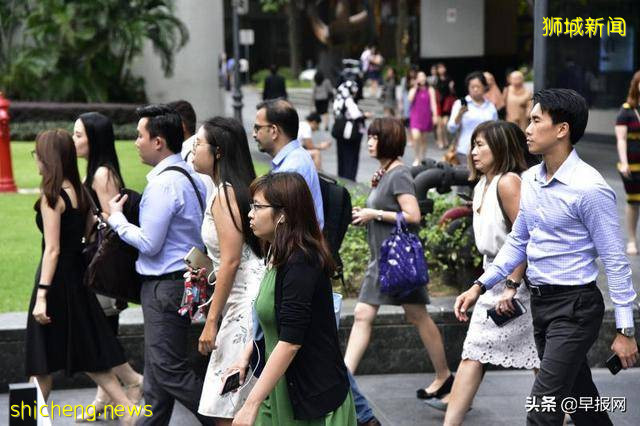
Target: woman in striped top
[[628, 137]]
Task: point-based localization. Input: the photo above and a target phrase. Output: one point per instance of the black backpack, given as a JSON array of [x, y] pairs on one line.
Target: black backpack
[[336, 202]]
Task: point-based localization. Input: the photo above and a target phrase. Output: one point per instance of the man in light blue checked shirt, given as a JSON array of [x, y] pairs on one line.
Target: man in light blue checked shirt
[[567, 219], [171, 214]]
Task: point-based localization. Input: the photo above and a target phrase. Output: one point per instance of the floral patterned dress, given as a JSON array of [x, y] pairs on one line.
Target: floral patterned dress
[[236, 327]]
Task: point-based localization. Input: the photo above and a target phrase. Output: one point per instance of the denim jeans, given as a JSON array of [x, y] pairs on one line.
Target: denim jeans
[[363, 411]]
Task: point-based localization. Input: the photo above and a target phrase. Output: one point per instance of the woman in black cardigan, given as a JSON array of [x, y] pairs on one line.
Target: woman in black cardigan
[[304, 380]]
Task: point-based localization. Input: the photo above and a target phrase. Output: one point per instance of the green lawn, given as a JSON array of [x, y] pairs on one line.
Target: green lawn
[[20, 238]]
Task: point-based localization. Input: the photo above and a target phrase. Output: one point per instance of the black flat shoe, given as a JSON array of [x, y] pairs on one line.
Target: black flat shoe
[[442, 391]]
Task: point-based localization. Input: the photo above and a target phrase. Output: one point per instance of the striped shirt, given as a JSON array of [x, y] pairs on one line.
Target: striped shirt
[[562, 227]]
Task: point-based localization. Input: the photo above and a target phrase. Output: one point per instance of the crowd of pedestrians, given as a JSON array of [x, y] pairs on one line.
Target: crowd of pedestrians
[[271, 321]]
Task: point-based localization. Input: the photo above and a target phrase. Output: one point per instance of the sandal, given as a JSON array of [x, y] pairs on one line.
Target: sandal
[[135, 390], [89, 415], [444, 389], [632, 249]]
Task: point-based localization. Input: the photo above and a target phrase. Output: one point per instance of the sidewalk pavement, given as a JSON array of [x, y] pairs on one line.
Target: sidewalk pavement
[[500, 399]]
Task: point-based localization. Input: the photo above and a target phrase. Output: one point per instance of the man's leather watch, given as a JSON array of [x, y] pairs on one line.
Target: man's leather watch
[[483, 289], [627, 331], [511, 284]]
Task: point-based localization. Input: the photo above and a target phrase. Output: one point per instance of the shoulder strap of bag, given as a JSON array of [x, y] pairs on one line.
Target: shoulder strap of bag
[[94, 208], [637, 114], [188, 176], [401, 223], [504, 213]]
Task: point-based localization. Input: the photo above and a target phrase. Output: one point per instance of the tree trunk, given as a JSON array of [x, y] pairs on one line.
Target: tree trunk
[[401, 29], [294, 38]]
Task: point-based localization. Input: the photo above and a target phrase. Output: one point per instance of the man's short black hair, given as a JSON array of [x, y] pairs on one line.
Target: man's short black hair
[[282, 114], [187, 114], [313, 116], [163, 121], [564, 106]]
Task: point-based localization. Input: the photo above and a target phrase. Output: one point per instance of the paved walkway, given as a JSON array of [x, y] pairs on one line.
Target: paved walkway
[[500, 400]]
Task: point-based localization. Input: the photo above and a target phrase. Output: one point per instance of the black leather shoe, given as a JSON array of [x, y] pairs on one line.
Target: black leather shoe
[[444, 389]]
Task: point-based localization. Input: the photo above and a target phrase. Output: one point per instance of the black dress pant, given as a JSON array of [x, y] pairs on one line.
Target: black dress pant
[[348, 157], [565, 326], [167, 374]]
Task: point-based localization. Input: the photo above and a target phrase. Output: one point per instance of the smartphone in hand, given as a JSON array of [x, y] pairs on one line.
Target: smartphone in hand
[[502, 320], [232, 383], [614, 364]]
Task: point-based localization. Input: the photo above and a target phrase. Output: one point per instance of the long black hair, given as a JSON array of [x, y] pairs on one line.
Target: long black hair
[[102, 146], [227, 140]]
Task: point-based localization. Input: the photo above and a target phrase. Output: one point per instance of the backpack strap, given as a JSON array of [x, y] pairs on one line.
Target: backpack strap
[[188, 176]]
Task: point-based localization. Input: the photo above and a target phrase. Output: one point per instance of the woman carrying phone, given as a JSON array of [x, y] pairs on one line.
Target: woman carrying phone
[[67, 329], [94, 141], [221, 151], [304, 380], [467, 113], [423, 115], [498, 156]]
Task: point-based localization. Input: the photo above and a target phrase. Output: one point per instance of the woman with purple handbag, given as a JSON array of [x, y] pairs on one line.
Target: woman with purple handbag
[[390, 215]]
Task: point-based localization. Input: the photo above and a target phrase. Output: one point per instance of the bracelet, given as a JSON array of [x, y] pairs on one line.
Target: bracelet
[[379, 216], [44, 286]]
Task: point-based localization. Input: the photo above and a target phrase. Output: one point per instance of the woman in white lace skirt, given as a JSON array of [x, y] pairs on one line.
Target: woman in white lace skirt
[[221, 151], [498, 155]]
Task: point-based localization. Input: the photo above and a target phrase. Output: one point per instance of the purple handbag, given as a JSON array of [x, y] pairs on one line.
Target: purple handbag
[[403, 267]]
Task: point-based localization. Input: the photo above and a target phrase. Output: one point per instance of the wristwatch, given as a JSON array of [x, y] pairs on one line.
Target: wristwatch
[[627, 331], [483, 289], [511, 284], [379, 216]]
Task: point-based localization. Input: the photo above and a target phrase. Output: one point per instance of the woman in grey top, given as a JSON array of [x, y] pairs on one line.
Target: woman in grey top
[[392, 191]]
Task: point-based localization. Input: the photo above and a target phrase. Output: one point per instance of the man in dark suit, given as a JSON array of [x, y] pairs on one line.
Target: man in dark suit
[[274, 85]]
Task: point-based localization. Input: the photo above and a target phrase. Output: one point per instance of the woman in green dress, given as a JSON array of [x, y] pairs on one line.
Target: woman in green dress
[[304, 380]]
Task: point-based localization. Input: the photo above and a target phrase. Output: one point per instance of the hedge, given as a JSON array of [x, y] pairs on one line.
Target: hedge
[[64, 111], [27, 131]]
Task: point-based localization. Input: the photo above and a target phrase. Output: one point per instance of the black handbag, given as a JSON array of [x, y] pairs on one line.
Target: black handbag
[[111, 263]]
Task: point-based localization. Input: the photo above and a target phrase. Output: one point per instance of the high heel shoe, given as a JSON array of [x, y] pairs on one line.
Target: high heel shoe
[[443, 390], [135, 391], [92, 411]]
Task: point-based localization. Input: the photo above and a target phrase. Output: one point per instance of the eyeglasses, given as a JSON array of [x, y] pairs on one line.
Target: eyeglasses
[[256, 206], [34, 155], [257, 127]]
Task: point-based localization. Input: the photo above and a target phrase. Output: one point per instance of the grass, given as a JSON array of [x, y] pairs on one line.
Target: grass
[[20, 239]]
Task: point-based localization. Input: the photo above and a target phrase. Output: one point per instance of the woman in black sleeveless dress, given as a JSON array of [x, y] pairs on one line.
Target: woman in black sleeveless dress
[[94, 140], [67, 329]]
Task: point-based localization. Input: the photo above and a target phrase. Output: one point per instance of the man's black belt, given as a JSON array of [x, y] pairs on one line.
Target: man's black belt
[[547, 289], [169, 276]]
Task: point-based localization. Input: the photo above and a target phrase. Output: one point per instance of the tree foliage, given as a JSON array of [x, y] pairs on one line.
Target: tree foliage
[[82, 50]]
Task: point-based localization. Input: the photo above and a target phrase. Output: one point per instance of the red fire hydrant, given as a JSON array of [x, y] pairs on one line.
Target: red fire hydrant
[[7, 183]]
